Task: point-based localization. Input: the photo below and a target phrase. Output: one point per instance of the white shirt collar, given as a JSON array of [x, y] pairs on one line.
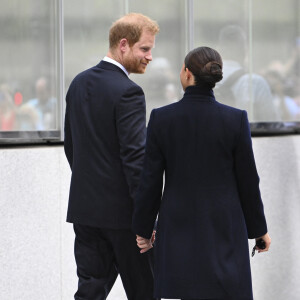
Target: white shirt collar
[[112, 61]]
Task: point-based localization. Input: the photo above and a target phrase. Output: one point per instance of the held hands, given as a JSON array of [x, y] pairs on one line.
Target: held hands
[[145, 244]]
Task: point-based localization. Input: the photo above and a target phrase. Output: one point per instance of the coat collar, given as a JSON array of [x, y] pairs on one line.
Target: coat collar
[[109, 66], [199, 93]]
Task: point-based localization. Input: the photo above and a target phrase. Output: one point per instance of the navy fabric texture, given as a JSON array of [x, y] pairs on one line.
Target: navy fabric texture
[[210, 203], [105, 136]]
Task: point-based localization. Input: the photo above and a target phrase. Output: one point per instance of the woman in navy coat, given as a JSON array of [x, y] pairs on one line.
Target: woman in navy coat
[[210, 203]]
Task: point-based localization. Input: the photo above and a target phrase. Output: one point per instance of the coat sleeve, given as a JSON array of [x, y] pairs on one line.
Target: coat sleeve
[[68, 144], [248, 182], [131, 131], [148, 199]]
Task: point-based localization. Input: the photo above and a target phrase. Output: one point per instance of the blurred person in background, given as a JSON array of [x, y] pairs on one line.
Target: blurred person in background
[[285, 105], [211, 202], [162, 83], [104, 144], [7, 109], [249, 92], [41, 110], [284, 80]]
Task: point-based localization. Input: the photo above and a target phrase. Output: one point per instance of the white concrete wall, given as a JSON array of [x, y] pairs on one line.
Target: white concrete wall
[[276, 275], [35, 241], [36, 244]]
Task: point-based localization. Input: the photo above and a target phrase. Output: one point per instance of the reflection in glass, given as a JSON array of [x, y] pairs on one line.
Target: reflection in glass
[[249, 91], [276, 53], [248, 34], [28, 90], [86, 28], [259, 41], [161, 82], [86, 43]]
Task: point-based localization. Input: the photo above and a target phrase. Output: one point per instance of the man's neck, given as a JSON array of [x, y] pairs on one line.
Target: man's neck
[[117, 62], [114, 56]]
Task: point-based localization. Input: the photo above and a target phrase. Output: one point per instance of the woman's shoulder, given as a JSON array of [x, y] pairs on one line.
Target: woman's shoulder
[[166, 109], [229, 109]]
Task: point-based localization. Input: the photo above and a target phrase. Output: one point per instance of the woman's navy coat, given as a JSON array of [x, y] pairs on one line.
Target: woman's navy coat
[[211, 202]]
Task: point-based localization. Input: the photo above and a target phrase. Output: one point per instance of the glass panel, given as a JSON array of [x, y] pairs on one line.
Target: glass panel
[[259, 38], [28, 75], [225, 27], [161, 82], [86, 28], [276, 53]]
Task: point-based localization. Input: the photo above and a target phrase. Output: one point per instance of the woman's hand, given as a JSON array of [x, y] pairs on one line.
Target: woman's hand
[[267, 239]]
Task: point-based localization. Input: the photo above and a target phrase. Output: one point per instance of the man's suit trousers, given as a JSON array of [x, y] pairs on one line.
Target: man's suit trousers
[[102, 254]]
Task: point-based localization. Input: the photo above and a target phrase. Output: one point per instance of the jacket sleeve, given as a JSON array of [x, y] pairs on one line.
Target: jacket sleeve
[[68, 144], [131, 130], [148, 199], [248, 182]]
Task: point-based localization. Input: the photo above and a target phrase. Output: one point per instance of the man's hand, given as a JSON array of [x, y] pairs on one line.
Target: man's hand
[[145, 244]]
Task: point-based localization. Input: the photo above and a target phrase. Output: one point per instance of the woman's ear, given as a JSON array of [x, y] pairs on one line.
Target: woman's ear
[[188, 74]]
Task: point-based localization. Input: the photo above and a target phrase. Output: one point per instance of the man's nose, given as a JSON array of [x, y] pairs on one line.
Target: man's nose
[[149, 56]]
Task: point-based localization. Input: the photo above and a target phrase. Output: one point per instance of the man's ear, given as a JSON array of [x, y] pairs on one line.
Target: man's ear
[[123, 45]]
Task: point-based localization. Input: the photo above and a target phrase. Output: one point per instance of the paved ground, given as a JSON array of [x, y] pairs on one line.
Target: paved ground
[[117, 293]]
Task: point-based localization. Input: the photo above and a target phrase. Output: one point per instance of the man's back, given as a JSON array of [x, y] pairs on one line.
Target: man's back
[[104, 143], [102, 104]]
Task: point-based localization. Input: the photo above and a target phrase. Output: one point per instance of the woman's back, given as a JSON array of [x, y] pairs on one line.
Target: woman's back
[[210, 204], [198, 137]]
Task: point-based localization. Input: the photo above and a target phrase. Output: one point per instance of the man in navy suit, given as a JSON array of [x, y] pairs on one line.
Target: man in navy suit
[[104, 144]]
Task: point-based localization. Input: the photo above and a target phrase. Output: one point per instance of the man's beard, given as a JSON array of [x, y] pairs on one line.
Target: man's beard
[[133, 65]]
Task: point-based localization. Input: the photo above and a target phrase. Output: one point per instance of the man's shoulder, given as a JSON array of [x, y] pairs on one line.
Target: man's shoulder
[[111, 76], [80, 77], [103, 68], [114, 76]]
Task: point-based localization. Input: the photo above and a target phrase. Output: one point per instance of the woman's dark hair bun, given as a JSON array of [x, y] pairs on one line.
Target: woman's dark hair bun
[[214, 69], [206, 65]]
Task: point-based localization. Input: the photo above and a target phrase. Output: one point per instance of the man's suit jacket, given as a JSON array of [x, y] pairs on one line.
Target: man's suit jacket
[[211, 201], [104, 143]]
